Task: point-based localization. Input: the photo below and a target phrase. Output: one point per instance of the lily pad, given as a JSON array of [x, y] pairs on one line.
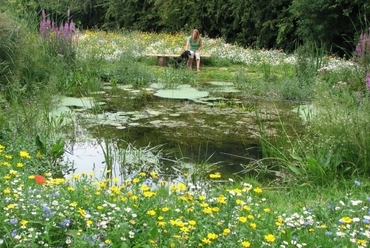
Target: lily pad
[[228, 90], [181, 93], [157, 86], [60, 110], [84, 102], [221, 83]]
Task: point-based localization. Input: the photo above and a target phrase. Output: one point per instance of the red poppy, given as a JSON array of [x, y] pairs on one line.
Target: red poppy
[[40, 179]]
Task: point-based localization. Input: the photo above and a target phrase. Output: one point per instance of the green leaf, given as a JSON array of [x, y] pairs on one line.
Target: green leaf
[[295, 170], [154, 233], [296, 157], [124, 245], [40, 144], [58, 149], [313, 165]]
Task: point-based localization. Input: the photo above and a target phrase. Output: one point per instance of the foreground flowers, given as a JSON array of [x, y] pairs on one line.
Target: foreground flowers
[[146, 211]]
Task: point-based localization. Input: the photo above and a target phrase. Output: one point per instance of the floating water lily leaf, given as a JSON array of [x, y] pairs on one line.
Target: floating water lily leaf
[[119, 86], [84, 102], [153, 112], [181, 93], [60, 110], [121, 127], [228, 90], [221, 83], [157, 86]]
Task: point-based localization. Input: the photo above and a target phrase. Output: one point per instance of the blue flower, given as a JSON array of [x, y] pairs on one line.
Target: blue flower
[[357, 183], [13, 221], [46, 208], [366, 221], [65, 223]]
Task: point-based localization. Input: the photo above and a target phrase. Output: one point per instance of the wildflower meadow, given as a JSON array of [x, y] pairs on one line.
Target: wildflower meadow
[[324, 201], [147, 211]]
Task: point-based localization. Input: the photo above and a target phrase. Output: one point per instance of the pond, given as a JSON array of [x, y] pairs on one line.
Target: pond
[[172, 128]]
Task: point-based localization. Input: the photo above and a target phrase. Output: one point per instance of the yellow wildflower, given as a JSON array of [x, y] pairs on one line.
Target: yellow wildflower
[[258, 190], [23, 222], [226, 231], [246, 244], [24, 154], [270, 238], [150, 212]]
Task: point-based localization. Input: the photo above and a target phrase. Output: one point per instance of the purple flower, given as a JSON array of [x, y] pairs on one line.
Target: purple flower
[[368, 81], [363, 47], [366, 221], [14, 232], [65, 223], [48, 215], [357, 183], [59, 38], [46, 208], [13, 221]]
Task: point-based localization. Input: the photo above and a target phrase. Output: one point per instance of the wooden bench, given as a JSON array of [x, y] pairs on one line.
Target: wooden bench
[[163, 58]]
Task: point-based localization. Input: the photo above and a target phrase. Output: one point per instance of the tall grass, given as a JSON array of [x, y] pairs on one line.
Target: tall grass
[[297, 159], [333, 141], [10, 37]]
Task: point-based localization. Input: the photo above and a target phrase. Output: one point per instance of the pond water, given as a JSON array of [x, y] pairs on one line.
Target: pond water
[[217, 128]]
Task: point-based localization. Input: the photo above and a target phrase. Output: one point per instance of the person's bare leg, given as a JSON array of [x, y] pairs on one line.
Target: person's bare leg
[[190, 63], [198, 64]]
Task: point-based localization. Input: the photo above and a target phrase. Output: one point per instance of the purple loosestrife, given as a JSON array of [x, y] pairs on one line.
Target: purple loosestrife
[[363, 47], [368, 81], [59, 38], [362, 54]]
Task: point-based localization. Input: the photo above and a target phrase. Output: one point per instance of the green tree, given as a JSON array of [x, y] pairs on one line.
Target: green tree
[[332, 23], [131, 15]]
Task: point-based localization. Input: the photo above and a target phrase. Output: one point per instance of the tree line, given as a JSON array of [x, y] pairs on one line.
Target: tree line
[[271, 24]]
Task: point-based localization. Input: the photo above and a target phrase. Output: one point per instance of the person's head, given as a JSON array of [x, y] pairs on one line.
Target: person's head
[[195, 34]]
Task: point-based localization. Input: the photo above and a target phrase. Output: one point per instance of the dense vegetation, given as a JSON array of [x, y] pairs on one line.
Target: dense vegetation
[[317, 192], [283, 24]]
